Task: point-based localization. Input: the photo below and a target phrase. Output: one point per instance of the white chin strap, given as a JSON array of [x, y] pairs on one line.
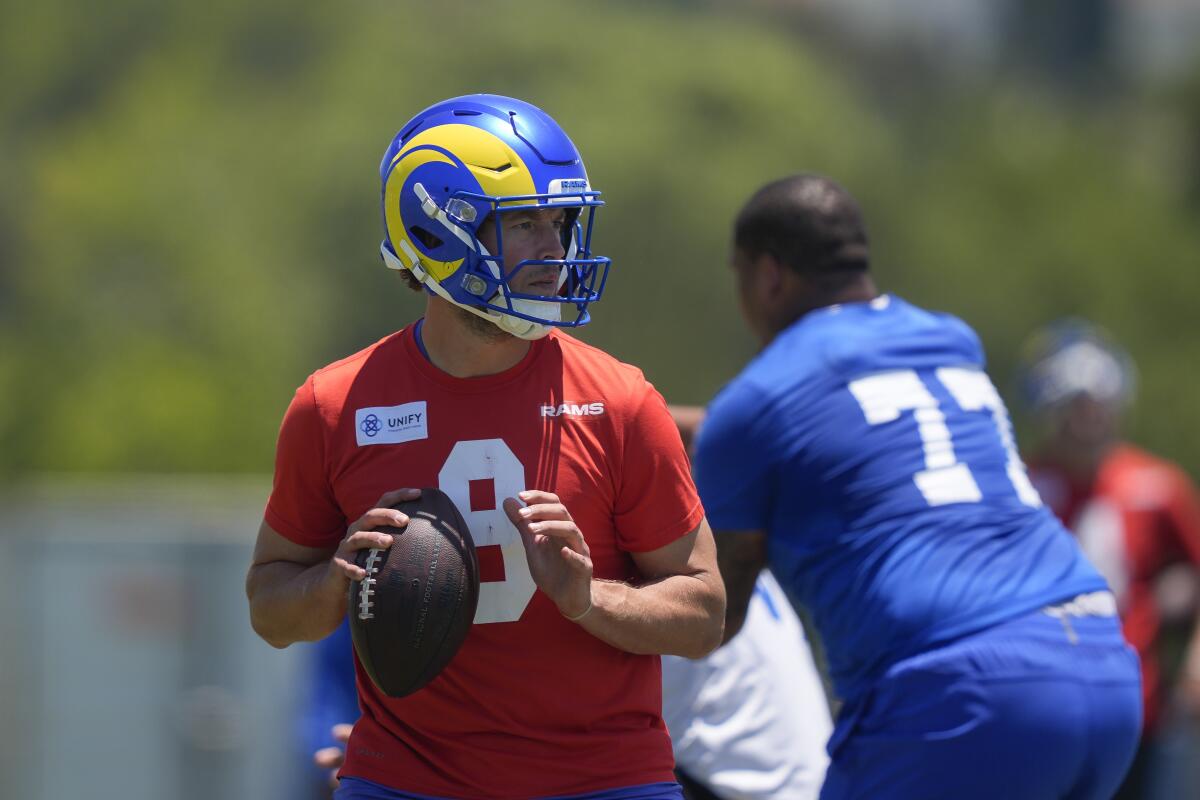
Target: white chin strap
[[521, 328]]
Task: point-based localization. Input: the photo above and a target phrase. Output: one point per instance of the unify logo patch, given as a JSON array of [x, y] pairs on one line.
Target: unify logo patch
[[391, 424], [573, 410]]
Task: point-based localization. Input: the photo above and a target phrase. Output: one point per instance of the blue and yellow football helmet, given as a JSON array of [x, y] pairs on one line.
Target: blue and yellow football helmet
[[455, 165]]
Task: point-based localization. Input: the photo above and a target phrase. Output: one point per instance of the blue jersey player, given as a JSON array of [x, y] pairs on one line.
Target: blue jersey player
[[865, 455]]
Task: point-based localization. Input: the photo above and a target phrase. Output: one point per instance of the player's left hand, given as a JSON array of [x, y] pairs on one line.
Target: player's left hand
[[332, 758], [559, 558]]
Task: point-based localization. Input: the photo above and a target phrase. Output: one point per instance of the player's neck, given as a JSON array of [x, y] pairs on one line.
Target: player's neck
[[1079, 461], [465, 346], [862, 290], [804, 298]]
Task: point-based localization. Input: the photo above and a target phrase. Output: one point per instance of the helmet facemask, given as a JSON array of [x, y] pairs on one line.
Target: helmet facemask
[[578, 280]]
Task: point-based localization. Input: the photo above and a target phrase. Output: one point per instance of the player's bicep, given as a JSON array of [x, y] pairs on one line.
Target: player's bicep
[[692, 554], [271, 547], [701, 598], [741, 556]]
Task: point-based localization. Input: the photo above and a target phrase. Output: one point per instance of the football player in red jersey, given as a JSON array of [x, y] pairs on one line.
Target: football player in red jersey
[[595, 556], [1137, 515]]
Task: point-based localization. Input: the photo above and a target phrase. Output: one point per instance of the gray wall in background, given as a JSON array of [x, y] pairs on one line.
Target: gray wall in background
[[128, 668]]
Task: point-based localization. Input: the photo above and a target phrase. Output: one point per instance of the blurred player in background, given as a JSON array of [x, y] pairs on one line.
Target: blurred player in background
[[1136, 515], [330, 706], [595, 556], [748, 722], [866, 455]]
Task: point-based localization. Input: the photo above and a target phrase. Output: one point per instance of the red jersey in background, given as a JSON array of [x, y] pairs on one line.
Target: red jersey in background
[[1140, 515]]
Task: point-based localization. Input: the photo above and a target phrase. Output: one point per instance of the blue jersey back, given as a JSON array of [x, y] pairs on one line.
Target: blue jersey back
[[870, 445]]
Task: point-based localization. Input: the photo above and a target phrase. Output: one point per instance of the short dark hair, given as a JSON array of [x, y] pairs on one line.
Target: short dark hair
[[808, 223], [410, 280]]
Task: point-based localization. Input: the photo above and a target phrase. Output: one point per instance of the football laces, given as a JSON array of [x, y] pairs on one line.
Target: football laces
[[366, 588]]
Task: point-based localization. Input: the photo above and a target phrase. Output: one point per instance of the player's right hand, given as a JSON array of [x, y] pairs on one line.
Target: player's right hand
[[560, 560], [362, 535]]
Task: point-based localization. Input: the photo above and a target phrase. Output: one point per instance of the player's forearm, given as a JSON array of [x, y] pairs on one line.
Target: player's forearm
[[293, 603], [741, 556], [678, 615]]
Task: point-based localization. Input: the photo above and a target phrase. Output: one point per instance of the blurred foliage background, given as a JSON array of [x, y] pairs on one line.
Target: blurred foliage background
[[189, 213]]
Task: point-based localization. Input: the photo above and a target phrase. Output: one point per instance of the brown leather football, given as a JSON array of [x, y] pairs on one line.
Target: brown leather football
[[411, 613]]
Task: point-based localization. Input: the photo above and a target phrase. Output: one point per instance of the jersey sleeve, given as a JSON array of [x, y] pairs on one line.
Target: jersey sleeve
[[732, 463], [656, 498], [302, 506]]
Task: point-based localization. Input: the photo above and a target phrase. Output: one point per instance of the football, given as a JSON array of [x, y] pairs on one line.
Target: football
[[412, 611]]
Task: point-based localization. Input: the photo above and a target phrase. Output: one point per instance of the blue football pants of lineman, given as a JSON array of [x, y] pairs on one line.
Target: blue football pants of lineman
[[360, 789], [1039, 708]]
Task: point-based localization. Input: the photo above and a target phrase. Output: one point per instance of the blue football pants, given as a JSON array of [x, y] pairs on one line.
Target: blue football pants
[[1039, 708], [359, 789]]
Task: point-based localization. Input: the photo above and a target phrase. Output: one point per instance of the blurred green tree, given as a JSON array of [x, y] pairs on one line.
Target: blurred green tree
[[189, 221]]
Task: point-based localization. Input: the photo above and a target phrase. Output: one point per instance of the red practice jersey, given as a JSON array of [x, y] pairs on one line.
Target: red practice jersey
[[532, 705], [1138, 516]]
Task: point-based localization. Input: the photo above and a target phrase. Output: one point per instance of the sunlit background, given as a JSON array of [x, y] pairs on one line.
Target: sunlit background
[[189, 225]]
